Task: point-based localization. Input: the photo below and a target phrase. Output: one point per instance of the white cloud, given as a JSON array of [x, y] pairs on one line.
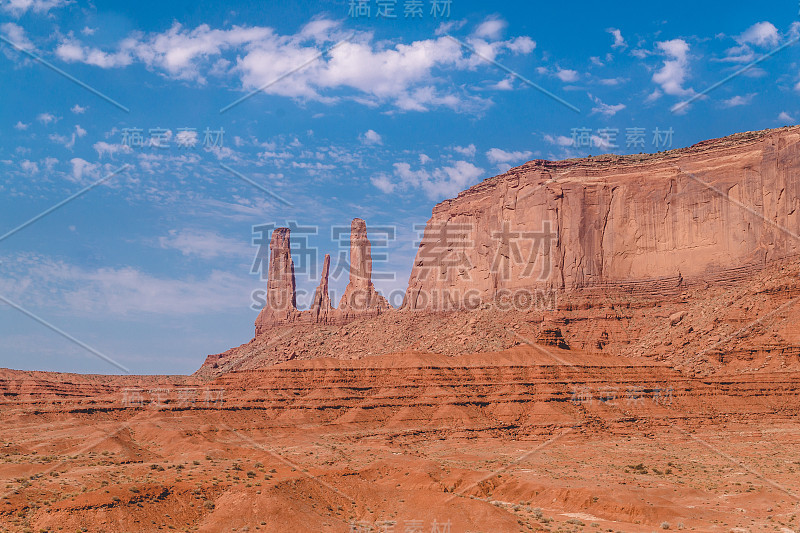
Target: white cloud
[[611, 81], [496, 155], [567, 75], [439, 183], [104, 148], [760, 34], [82, 168], [80, 132], [21, 126], [126, 290], [371, 137], [491, 28], [384, 183], [204, 244], [738, 100], [602, 142], [47, 118], [506, 84], [16, 34], [67, 142], [29, 166], [605, 109], [19, 7], [521, 45], [405, 75], [619, 41], [672, 75], [559, 140], [49, 163], [423, 158], [786, 118], [71, 51], [653, 96], [78, 110], [468, 151]]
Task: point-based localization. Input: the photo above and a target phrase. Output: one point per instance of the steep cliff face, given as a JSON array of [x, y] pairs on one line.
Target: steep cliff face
[[650, 222]]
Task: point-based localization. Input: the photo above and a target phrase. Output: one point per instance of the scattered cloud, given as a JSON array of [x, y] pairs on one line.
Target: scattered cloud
[[567, 75], [371, 137], [760, 34], [124, 291], [786, 118], [103, 148], [738, 100], [16, 34], [672, 75], [619, 41], [559, 140], [47, 118], [78, 110], [503, 159], [491, 28], [467, 151], [605, 109], [18, 8], [21, 126], [443, 182], [83, 169], [204, 244], [384, 183], [29, 167], [408, 76]]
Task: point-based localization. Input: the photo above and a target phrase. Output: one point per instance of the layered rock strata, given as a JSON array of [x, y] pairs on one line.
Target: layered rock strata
[[647, 224]]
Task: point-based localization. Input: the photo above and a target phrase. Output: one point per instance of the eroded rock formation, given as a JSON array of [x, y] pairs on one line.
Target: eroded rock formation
[[281, 304], [666, 255], [321, 307], [360, 297], [647, 223]]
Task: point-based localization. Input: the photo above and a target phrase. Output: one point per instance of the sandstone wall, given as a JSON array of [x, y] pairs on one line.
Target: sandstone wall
[[650, 222]]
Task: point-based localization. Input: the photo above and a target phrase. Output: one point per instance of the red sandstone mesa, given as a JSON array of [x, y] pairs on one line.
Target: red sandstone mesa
[[621, 240], [651, 222]]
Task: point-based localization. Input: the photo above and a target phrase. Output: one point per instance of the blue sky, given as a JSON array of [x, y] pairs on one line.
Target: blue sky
[[152, 267]]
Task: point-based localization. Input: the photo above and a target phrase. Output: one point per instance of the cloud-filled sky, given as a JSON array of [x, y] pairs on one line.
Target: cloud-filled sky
[[181, 127]]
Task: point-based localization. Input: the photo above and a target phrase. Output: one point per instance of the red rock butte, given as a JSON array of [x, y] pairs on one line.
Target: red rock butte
[[547, 236]]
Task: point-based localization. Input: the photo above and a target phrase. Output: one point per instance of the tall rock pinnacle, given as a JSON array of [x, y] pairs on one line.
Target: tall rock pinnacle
[[360, 296], [321, 305], [281, 305]]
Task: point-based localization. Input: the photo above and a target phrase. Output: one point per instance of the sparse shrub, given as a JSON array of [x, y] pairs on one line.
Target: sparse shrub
[[664, 525]]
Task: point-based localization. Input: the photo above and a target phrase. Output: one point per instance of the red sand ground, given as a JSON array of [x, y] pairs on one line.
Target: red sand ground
[[531, 439]]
